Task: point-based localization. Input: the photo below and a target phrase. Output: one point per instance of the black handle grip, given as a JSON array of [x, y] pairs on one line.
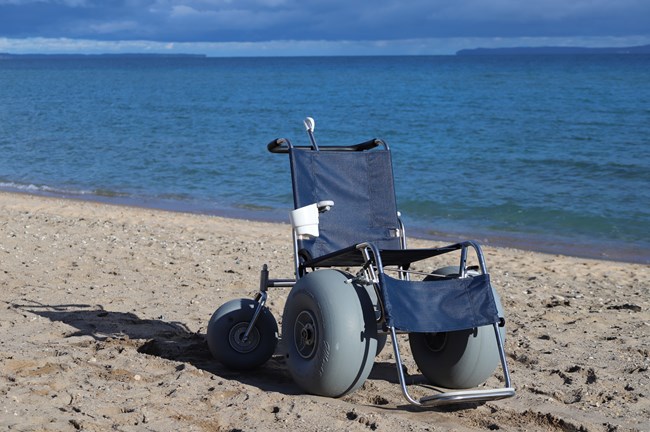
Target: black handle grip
[[282, 145], [279, 145]]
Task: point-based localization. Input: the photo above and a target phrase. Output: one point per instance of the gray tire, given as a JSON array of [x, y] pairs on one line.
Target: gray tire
[[458, 359], [330, 333], [227, 327]]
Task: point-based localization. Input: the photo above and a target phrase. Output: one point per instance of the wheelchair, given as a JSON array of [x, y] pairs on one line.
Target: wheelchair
[[355, 285]]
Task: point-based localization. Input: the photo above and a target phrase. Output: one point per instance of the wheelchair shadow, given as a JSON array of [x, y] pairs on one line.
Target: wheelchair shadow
[[169, 340], [176, 342]]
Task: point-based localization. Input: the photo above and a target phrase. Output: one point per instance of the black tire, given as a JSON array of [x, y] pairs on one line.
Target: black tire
[[381, 342], [226, 328], [330, 333], [458, 359], [381, 337]]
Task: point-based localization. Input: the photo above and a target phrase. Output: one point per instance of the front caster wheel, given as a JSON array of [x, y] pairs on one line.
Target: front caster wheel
[[226, 331], [330, 333]]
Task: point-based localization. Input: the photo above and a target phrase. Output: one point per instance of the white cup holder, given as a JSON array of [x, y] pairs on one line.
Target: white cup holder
[[304, 220]]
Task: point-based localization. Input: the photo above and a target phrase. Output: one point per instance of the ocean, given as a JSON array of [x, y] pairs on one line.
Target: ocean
[[542, 152]]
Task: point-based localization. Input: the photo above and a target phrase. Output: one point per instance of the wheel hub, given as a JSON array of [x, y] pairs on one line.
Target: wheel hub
[[436, 341], [305, 334], [241, 344]]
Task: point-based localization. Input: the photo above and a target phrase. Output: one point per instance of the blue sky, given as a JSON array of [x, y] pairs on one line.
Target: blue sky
[[316, 27]]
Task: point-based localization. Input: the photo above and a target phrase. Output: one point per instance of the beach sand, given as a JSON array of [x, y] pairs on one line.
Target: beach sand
[[104, 311]]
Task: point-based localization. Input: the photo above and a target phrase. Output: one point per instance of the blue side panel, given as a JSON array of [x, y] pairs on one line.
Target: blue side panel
[[439, 305]]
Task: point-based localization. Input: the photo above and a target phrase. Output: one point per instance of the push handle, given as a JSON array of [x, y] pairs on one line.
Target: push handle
[[310, 124], [282, 145], [279, 145]]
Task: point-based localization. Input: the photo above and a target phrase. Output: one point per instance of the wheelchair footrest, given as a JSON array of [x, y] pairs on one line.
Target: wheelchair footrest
[[469, 396]]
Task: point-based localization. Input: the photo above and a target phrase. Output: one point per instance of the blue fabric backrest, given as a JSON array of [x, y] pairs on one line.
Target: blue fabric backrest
[[361, 185]]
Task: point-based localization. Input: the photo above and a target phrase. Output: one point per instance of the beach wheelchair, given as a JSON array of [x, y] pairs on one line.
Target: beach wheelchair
[[355, 285]]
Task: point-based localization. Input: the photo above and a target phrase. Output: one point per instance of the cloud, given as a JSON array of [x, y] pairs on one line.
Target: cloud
[[247, 21]]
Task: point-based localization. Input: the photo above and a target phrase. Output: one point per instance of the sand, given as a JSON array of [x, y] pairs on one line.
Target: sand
[[104, 310]]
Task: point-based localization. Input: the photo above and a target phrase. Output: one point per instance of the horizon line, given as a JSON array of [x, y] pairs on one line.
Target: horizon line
[[513, 50], [306, 48]]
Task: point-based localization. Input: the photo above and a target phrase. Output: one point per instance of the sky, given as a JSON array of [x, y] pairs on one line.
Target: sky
[[316, 27]]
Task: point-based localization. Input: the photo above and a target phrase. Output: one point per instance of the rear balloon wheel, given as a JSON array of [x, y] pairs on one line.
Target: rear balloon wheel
[[458, 359], [330, 333]]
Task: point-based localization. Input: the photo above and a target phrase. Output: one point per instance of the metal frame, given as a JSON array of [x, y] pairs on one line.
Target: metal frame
[[462, 396], [369, 273], [372, 268]]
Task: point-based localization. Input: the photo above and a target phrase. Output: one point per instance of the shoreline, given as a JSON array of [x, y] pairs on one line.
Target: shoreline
[[547, 244]]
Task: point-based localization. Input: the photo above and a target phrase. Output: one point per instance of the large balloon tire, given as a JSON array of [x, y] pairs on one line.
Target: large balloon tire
[[227, 327], [459, 359], [330, 333]]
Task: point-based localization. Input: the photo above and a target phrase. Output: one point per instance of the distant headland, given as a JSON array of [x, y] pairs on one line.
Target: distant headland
[[80, 56], [553, 50]]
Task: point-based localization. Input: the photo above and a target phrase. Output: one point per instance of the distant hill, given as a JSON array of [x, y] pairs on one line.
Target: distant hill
[[75, 56], [643, 49]]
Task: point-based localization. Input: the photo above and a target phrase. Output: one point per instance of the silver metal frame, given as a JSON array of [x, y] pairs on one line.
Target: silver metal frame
[[371, 255], [370, 272], [462, 396]]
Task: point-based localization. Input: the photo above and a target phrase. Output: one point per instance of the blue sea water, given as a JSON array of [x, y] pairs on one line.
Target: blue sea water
[[544, 152]]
